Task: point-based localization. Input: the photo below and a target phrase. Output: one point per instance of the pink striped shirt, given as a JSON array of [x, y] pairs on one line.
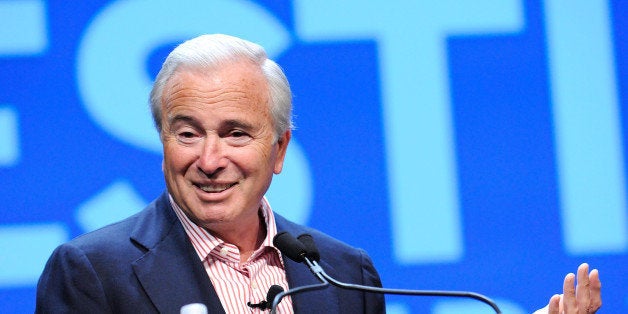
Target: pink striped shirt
[[238, 283]]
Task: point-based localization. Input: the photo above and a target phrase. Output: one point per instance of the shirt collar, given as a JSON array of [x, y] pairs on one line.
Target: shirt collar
[[205, 243]]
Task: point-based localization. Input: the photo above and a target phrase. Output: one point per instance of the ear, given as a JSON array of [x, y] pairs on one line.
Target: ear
[[282, 147]]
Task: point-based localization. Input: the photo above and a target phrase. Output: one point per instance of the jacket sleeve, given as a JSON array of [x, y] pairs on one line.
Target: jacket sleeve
[[69, 284], [373, 302]]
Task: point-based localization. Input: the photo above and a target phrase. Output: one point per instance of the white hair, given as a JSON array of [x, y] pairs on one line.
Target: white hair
[[208, 52]]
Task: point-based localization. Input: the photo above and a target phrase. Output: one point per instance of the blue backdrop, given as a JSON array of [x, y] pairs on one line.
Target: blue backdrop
[[466, 145]]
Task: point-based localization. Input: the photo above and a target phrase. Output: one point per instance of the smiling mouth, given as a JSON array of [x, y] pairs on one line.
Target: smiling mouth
[[215, 188]]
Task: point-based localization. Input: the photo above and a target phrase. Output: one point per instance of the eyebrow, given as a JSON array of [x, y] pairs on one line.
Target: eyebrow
[[181, 118], [230, 124], [227, 124]]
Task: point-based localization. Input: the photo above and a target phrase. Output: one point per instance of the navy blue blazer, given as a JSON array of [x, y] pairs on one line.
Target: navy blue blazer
[[146, 264]]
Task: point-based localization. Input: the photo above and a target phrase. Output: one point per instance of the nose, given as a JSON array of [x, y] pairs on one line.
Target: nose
[[212, 158]]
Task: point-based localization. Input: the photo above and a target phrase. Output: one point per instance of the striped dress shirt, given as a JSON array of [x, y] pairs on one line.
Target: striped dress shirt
[[238, 283]]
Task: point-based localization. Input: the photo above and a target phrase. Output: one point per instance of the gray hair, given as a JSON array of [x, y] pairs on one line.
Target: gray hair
[[209, 51]]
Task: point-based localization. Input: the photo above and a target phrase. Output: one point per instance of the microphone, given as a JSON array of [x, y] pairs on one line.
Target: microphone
[[310, 247], [312, 252], [267, 304], [295, 250], [290, 246]]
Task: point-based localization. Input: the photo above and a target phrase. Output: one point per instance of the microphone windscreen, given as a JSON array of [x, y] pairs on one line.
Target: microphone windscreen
[[273, 291], [310, 247], [290, 246]]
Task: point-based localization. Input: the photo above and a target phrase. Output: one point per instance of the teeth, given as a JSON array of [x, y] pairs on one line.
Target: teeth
[[215, 187]]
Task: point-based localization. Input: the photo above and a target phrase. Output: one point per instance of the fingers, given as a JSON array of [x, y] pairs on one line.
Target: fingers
[[583, 293], [596, 291], [586, 296], [554, 305], [570, 304]]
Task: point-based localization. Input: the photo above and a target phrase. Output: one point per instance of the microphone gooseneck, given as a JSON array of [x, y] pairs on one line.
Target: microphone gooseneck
[[312, 255]]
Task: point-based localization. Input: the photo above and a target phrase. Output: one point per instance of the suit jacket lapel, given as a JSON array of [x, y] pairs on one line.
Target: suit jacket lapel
[[171, 272]]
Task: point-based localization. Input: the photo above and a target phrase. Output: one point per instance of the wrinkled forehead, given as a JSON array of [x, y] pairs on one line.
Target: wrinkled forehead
[[232, 82]]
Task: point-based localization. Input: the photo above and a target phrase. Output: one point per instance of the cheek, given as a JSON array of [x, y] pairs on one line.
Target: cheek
[[177, 159], [256, 159], [170, 170]]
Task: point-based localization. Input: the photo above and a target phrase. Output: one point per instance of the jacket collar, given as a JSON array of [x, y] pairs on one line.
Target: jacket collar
[[172, 274], [170, 271]]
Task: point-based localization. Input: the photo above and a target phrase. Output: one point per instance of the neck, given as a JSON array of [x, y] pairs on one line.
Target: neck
[[247, 237]]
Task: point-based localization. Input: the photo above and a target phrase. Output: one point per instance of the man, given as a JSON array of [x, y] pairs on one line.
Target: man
[[223, 112]]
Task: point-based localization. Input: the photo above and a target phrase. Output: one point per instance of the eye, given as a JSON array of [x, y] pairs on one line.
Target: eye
[[187, 136], [238, 137], [238, 133]]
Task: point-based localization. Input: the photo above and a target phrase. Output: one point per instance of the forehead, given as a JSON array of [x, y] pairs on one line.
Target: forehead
[[239, 82]]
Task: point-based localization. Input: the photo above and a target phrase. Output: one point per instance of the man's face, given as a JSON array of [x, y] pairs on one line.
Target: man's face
[[220, 151]]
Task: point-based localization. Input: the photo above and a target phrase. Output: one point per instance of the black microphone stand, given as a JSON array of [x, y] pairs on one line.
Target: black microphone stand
[[304, 250], [435, 293], [312, 252]]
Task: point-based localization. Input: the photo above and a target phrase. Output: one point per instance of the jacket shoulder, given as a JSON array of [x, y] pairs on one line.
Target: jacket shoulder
[[129, 237]]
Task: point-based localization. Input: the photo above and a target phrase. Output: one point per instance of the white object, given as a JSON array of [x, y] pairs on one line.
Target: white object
[[194, 308]]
